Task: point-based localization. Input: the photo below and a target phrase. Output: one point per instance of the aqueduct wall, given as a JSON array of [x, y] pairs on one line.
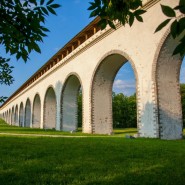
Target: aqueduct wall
[[90, 61]]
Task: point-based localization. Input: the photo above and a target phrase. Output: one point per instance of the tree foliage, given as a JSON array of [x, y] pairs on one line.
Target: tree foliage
[[111, 10], [124, 111], [177, 26], [21, 29]]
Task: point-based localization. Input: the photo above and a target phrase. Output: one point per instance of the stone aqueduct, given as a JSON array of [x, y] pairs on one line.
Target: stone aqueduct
[[91, 60]]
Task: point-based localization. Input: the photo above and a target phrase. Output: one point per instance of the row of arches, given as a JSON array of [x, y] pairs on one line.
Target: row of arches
[[29, 115], [166, 107], [22, 116]]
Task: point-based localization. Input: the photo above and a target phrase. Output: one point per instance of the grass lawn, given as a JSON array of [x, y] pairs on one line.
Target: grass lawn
[[90, 161], [5, 128]]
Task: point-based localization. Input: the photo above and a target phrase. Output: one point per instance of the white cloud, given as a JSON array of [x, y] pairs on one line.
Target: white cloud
[[125, 87]]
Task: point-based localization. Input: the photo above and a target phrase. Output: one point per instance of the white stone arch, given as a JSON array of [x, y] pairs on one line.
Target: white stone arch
[[5, 115], [16, 117], [9, 117], [36, 116], [27, 114], [12, 116], [21, 115], [165, 73], [101, 90], [69, 104], [50, 108]]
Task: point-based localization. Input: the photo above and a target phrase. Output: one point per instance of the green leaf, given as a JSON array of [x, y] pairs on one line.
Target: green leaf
[[131, 19], [18, 56], [55, 6], [97, 2], [180, 49], [181, 6], [182, 3], [44, 29], [36, 48], [181, 24], [182, 9], [25, 4], [111, 24], [162, 25], [41, 2], [92, 7], [94, 13], [139, 12], [51, 10], [44, 10], [102, 23], [24, 57], [49, 2], [168, 11], [139, 18], [174, 29]]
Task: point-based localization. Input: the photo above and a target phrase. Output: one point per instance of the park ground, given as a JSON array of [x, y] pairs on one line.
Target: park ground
[[82, 159]]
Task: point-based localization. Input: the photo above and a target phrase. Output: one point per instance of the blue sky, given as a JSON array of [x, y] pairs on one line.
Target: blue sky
[[71, 18]]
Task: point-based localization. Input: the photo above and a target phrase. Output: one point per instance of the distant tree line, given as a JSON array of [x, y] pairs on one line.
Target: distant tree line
[[124, 109]]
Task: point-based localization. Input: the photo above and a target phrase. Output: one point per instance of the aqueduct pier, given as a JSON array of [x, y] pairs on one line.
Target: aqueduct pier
[[91, 60]]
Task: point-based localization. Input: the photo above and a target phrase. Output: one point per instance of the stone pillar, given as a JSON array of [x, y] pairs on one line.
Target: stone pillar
[[147, 117], [86, 109], [42, 113]]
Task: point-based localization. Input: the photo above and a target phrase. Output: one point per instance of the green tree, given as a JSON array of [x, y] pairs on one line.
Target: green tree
[[126, 11], [124, 110], [21, 29]]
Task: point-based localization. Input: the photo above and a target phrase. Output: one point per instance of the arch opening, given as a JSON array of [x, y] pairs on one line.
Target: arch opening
[[102, 83], [182, 88], [6, 116], [12, 116], [27, 120], [36, 112], [70, 99], [50, 109], [124, 108], [21, 115], [168, 91], [9, 117], [16, 116]]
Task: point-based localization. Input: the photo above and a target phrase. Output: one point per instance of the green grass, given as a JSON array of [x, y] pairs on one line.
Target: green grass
[[90, 161], [5, 128]]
